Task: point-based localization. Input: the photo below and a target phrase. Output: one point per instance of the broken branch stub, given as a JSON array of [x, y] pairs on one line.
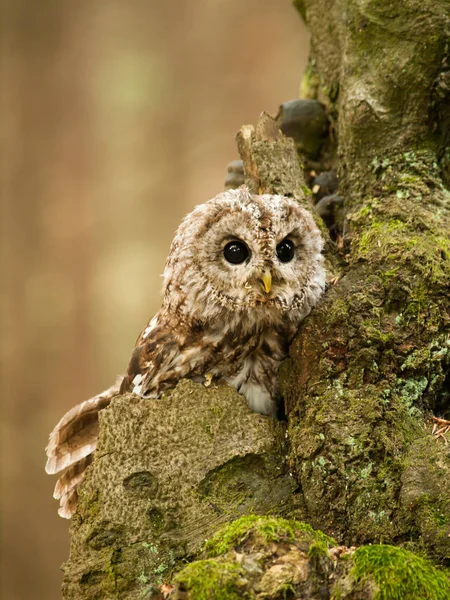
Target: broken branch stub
[[271, 163]]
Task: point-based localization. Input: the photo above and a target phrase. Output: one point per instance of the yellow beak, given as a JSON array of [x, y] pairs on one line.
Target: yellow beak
[[267, 280]]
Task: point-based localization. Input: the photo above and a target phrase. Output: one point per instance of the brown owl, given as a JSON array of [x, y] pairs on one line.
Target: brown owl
[[242, 272]]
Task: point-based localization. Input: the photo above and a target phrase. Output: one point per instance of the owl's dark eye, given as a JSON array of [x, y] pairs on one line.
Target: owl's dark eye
[[285, 250], [236, 252]]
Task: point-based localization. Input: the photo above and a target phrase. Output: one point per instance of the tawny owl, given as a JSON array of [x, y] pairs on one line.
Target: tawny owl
[[242, 272]]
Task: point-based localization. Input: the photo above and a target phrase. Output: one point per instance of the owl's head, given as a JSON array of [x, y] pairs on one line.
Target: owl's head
[[242, 252]]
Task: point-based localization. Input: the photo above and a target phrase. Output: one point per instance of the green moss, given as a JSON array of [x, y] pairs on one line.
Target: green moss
[[211, 580], [417, 360], [431, 510], [405, 174], [218, 577], [310, 84], [300, 6], [365, 433], [88, 503], [338, 313], [268, 529], [374, 336], [384, 241], [366, 212], [425, 496], [389, 274], [306, 189], [400, 224], [399, 574], [378, 237]]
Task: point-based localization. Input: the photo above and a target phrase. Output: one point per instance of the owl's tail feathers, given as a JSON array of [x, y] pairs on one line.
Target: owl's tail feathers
[[71, 445], [66, 487]]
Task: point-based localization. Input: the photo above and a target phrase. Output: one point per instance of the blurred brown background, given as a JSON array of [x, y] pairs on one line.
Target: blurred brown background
[[116, 118]]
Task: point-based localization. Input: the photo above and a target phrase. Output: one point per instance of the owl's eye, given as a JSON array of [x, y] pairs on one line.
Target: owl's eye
[[236, 252], [285, 250]]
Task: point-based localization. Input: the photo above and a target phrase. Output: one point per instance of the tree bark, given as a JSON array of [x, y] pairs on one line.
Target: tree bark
[[167, 474], [366, 371], [372, 363]]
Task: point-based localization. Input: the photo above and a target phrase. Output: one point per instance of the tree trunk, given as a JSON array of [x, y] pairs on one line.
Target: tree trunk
[[365, 374], [371, 364]]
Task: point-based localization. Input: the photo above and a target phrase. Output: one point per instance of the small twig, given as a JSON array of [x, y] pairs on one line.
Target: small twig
[[440, 428]]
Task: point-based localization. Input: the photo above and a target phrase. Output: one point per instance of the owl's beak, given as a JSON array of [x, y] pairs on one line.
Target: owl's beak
[[266, 279]]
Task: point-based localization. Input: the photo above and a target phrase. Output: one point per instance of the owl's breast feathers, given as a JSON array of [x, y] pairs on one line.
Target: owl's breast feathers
[[242, 351], [166, 352]]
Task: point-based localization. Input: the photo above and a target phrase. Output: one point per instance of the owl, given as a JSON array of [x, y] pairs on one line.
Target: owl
[[242, 272]]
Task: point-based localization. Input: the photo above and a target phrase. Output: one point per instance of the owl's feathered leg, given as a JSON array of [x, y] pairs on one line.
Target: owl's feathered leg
[[71, 445]]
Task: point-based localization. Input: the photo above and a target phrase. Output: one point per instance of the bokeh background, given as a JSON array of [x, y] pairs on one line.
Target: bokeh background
[[116, 118]]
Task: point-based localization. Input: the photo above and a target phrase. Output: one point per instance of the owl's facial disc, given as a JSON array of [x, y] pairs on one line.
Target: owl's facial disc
[[250, 255]]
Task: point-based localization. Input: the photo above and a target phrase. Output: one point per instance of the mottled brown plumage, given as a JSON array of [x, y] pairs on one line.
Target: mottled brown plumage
[[219, 318]]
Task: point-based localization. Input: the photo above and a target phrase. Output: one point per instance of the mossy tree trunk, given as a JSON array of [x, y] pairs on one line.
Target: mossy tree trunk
[[367, 369], [372, 363]]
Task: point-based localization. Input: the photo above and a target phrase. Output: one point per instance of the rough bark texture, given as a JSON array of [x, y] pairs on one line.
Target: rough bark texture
[[270, 160], [367, 370], [167, 474], [372, 362]]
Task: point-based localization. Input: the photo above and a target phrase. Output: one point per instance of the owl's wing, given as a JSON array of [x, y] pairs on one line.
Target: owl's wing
[[165, 352], [71, 445]]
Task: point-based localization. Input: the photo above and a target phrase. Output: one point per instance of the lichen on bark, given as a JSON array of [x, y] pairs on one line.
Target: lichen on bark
[[372, 362]]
